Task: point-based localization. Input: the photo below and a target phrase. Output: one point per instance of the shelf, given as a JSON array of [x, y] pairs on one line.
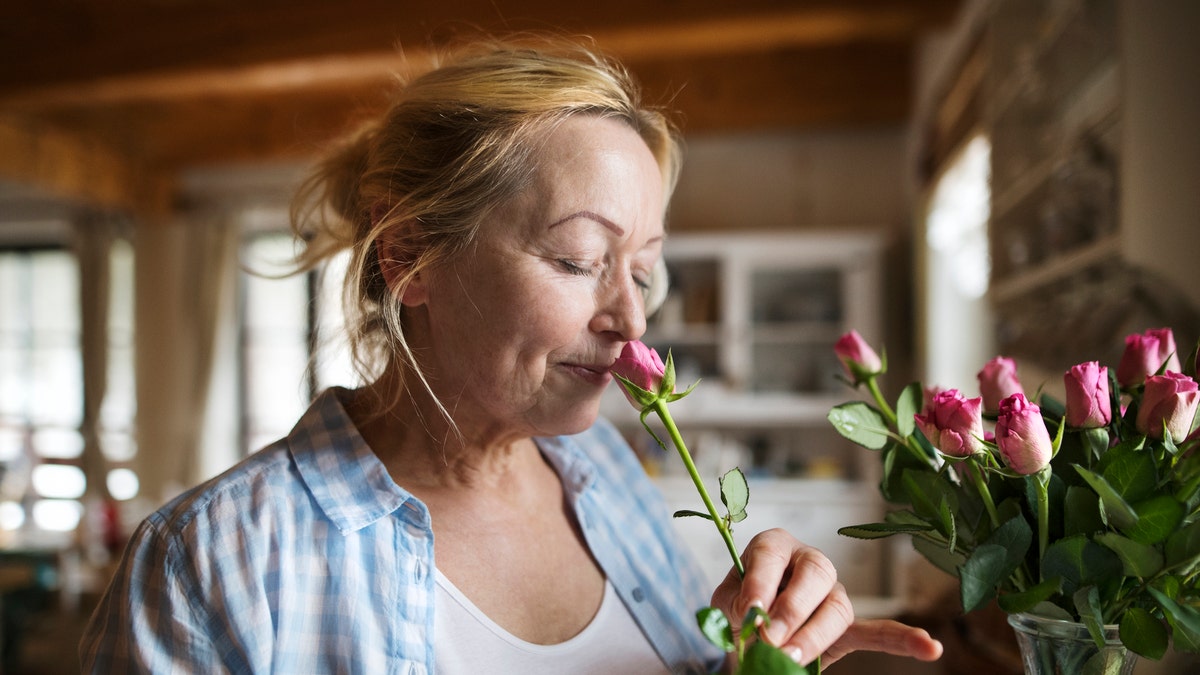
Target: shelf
[[683, 334], [1059, 268], [800, 334], [712, 405], [1089, 114], [1038, 42], [1007, 199], [1054, 114]]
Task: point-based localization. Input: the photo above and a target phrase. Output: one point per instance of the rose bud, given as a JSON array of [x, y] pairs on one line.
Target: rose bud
[[998, 381], [642, 366], [953, 423], [1089, 404], [1145, 354], [1022, 436], [1170, 400], [857, 357]]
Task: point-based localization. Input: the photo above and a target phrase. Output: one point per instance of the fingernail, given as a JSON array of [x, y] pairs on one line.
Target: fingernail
[[774, 634], [758, 618], [795, 654]]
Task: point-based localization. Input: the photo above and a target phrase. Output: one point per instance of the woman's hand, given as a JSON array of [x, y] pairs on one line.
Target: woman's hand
[[810, 612]]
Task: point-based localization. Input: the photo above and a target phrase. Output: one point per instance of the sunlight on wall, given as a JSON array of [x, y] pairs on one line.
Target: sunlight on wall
[[959, 323]]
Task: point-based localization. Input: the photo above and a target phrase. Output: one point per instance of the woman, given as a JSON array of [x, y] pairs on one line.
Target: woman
[[466, 511]]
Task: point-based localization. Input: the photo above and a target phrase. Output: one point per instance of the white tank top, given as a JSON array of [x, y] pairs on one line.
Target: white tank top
[[467, 642]]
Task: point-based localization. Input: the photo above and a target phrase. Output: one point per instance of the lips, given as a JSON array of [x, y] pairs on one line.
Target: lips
[[592, 372]]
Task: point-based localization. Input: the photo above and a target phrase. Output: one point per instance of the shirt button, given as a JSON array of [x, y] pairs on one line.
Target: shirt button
[[638, 594]]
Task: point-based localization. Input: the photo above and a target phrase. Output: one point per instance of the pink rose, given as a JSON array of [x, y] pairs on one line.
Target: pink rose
[[998, 381], [640, 365], [1145, 354], [953, 423], [1170, 399], [1022, 436], [1089, 404], [857, 357]]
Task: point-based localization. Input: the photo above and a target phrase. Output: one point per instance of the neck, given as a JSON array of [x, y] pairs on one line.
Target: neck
[[422, 448]]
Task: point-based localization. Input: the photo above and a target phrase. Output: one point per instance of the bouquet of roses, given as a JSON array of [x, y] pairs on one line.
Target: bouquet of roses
[[1086, 510]]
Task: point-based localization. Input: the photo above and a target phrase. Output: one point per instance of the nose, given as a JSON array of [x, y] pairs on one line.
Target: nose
[[620, 309]]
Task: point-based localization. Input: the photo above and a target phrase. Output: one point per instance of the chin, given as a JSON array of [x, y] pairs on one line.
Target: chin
[[575, 421]]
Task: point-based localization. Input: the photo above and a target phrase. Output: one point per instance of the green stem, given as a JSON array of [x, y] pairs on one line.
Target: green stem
[[1042, 480], [873, 387], [976, 474], [917, 451], [660, 407]]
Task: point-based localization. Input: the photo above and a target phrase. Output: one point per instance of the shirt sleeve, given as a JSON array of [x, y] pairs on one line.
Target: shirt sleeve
[[147, 620]]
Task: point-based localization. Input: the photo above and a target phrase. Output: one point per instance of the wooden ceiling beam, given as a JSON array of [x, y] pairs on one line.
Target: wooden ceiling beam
[[102, 48], [782, 89], [837, 86], [79, 169], [169, 86]]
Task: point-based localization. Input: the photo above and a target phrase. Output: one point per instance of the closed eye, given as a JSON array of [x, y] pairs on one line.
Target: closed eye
[[573, 267]]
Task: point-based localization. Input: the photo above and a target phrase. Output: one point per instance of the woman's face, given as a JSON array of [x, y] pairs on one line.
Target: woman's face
[[517, 334]]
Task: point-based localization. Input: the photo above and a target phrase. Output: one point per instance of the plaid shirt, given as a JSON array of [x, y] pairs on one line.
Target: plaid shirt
[[308, 558]]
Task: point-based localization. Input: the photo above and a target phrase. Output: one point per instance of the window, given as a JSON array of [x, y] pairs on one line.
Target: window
[[119, 409], [958, 324], [290, 348], [41, 393]]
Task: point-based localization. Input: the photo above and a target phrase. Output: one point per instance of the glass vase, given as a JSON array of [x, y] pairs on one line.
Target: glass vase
[[1056, 647]]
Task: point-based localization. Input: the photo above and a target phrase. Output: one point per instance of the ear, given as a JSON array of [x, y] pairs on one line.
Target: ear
[[396, 266]]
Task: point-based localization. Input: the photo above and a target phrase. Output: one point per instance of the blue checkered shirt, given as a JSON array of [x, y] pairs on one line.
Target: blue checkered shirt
[[308, 558]]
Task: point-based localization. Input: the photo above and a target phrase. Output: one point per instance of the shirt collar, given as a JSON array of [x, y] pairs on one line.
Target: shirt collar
[[353, 488], [346, 479], [576, 470]]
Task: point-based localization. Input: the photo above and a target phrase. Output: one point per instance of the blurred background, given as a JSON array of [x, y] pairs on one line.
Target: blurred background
[[954, 179]]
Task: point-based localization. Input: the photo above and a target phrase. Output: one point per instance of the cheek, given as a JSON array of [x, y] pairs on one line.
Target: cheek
[[553, 317], [526, 318]]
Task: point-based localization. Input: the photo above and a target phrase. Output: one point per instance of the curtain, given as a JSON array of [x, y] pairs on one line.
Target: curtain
[[185, 281], [92, 236]]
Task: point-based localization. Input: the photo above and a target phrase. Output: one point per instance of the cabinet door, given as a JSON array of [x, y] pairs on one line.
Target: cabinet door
[[692, 322], [795, 316]]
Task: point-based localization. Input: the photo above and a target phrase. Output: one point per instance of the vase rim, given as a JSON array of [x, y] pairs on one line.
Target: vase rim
[[1028, 621]]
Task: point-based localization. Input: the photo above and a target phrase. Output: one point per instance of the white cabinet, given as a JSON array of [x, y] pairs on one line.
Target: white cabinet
[[754, 317]]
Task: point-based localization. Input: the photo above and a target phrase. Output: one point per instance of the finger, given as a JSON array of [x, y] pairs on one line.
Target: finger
[[726, 595], [887, 636], [821, 631], [768, 561], [811, 586]]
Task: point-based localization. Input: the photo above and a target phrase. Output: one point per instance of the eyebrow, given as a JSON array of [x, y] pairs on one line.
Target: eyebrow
[[591, 216]]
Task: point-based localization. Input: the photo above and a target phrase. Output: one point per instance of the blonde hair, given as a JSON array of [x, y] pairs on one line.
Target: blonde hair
[[455, 143]]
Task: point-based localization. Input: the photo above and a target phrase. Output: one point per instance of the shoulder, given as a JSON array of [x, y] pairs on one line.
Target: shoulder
[[261, 495], [268, 477]]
